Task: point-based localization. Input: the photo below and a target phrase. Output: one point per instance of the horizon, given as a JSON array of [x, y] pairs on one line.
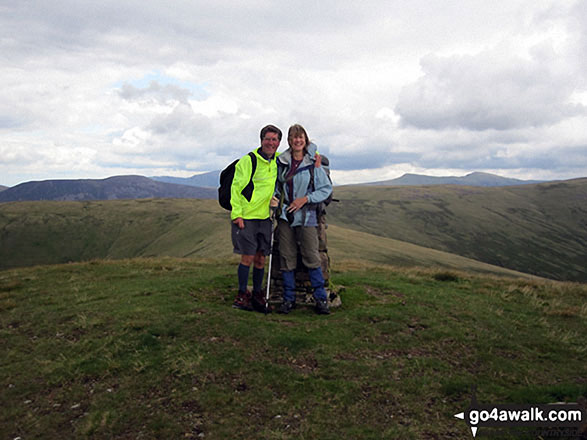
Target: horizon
[[335, 183]]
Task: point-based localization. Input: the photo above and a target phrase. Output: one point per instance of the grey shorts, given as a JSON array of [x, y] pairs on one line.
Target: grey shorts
[[255, 237]]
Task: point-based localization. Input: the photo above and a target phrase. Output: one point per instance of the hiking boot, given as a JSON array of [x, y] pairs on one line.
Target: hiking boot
[[321, 307], [260, 304], [243, 301], [286, 307]]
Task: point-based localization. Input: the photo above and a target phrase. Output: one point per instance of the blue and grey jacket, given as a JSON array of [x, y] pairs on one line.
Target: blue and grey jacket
[[322, 187]]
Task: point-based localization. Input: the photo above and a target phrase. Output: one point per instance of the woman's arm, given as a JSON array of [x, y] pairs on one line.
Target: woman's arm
[[322, 186]]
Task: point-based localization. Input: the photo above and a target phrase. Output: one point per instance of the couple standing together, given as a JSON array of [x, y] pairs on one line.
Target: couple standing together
[[297, 177]]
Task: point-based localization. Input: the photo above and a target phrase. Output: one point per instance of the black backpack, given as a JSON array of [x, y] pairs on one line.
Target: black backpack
[[226, 178]]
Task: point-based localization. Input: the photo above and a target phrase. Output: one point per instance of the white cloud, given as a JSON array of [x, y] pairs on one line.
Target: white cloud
[[489, 91], [141, 87]]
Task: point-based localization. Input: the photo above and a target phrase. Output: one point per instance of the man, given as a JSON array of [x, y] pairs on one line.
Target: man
[[251, 223]]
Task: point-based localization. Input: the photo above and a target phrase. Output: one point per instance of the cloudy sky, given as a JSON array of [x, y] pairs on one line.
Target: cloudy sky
[[384, 87]]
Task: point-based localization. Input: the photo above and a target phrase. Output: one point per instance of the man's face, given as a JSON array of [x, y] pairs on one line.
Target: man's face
[[270, 143]]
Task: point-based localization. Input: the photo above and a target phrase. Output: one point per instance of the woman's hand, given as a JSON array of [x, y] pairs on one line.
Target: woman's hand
[[297, 204], [318, 160]]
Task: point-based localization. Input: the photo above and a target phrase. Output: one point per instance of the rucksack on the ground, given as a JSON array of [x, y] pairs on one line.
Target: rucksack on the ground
[[226, 178]]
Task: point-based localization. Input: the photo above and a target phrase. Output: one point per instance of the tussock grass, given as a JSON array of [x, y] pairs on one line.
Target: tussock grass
[[151, 348]]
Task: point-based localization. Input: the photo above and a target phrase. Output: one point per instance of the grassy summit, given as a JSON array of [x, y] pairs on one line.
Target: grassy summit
[[150, 348]]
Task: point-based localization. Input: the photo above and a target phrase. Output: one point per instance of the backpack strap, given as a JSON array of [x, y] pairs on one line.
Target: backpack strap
[[312, 188], [310, 167], [247, 191], [320, 207]]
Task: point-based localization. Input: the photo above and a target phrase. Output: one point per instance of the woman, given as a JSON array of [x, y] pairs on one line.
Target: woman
[[298, 221]]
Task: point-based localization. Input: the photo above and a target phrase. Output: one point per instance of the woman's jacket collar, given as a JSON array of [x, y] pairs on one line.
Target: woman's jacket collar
[[285, 157]]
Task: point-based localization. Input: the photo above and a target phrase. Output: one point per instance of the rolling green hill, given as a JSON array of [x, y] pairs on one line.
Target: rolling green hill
[[60, 232], [151, 348], [539, 229], [536, 229], [349, 246]]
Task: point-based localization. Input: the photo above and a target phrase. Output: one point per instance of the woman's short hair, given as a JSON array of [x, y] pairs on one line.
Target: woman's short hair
[[296, 130]]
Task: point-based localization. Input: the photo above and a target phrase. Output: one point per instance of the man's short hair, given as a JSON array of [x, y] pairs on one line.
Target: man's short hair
[[270, 129]]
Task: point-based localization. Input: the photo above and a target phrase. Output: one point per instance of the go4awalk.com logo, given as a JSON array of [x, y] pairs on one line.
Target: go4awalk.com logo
[[568, 420]]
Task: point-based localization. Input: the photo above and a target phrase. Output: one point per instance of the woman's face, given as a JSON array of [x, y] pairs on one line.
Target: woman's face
[[298, 142]]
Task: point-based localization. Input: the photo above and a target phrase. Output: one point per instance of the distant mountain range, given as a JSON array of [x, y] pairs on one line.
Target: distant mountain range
[[199, 186], [473, 179], [205, 180], [112, 188], [211, 180]]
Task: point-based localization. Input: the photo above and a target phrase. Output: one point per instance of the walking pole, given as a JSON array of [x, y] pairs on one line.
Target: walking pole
[[270, 261]]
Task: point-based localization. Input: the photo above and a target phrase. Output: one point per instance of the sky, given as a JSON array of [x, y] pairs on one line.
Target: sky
[[383, 87]]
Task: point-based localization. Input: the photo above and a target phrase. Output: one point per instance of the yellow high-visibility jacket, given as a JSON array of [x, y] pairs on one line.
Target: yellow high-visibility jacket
[[264, 182]]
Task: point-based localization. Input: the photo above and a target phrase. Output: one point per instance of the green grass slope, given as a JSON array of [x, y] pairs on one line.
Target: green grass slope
[[348, 247], [539, 229], [151, 348], [59, 232]]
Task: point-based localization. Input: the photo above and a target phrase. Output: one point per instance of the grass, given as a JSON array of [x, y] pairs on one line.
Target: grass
[[537, 229], [151, 348], [345, 242], [62, 232], [534, 229]]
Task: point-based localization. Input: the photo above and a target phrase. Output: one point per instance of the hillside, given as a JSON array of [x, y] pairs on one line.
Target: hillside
[[60, 232], [539, 229], [346, 245], [118, 187], [535, 229], [472, 179], [151, 348]]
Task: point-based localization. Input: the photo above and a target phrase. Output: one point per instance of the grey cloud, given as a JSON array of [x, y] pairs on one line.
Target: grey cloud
[[367, 160], [10, 122], [181, 121], [578, 23], [18, 116], [136, 31], [487, 92], [156, 91], [479, 157]]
